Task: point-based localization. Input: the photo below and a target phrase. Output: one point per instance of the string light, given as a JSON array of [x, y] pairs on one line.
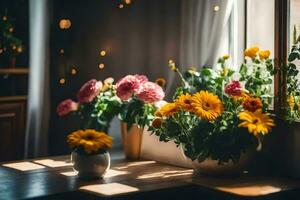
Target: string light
[[65, 24], [101, 66], [102, 53], [121, 5], [216, 8], [11, 29], [128, 2], [19, 49], [1, 51], [14, 47], [62, 81], [4, 18], [73, 71], [61, 51]]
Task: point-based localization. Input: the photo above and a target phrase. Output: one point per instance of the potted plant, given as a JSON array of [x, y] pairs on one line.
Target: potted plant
[[292, 110], [138, 96], [219, 121], [96, 105], [89, 152]]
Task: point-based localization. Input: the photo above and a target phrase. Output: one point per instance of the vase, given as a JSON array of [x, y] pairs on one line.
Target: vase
[[92, 166], [132, 141], [213, 168]]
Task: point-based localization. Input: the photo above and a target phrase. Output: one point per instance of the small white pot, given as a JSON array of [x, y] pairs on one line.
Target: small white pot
[[90, 166]]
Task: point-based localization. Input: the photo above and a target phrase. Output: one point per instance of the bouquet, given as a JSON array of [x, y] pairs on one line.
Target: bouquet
[[214, 115], [139, 96], [96, 105]]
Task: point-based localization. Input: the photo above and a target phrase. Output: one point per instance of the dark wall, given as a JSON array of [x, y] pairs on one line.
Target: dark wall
[[140, 38]]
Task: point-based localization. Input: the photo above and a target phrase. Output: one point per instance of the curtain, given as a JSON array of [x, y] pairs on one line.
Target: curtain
[[201, 30], [36, 138]]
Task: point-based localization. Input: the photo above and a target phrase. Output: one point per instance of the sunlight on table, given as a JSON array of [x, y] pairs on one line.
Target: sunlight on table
[[53, 163], [133, 164], [166, 174], [109, 188], [254, 190], [24, 166]]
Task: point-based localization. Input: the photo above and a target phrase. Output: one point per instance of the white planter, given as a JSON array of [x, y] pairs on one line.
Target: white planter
[[165, 152]]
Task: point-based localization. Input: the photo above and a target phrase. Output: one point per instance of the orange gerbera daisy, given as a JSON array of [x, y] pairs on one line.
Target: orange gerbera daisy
[[90, 140], [252, 103], [184, 102], [207, 105], [256, 122], [166, 110]]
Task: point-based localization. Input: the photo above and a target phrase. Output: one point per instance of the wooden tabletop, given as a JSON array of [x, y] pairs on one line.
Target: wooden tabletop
[[53, 178]]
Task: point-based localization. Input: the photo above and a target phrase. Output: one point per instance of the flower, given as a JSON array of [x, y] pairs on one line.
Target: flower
[[233, 89], [256, 122], [224, 71], [291, 102], [172, 65], [251, 52], [66, 106], [150, 92], [226, 56], [91, 140], [89, 91], [107, 84], [207, 105], [184, 102], [252, 103], [167, 110], [156, 123], [128, 85], [141, 78], [264, 54], [161, 82]]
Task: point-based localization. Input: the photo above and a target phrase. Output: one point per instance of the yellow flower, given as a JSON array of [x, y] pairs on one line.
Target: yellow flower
[[161, 82], [251, 52], [156, 123], [256, 122], [172, 65], [291, 102], [224, 71], [90, 140], [207, 105], [226, 56], [184, 102], [264, 54], [107, 84], [252, 103], [166, 110]]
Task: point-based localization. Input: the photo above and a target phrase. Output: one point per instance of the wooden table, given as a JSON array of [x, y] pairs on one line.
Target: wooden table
[[53, 178]]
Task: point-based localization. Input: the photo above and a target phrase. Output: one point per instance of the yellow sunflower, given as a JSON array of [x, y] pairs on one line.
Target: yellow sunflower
[[184, 102], [167, 110], [90, 140], [256, 122], [207, 105]]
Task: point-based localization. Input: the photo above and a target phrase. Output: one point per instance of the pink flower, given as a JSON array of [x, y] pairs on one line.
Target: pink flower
[[141, 78], [233, 89], [89, 91], [128, 85], [150, 92], [66, 106]]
